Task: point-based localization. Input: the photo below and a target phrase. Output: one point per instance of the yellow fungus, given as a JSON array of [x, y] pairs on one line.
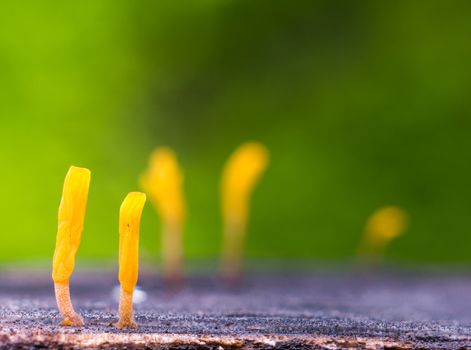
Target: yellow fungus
[[129, 222], [384, 225], [71, 216], [163, 182], [240, 175]]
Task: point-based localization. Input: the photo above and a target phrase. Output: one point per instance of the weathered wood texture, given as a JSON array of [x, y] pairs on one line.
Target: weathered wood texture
[[329, 310]]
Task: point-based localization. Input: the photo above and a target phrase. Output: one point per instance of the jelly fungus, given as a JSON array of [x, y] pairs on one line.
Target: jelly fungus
[[163, 182], [129, 222], [71, 216], [240, 175], [382, 227]]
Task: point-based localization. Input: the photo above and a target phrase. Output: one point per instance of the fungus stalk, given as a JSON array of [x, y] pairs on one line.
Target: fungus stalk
[[172, 252], [71, 216], [129, 222], [163, 182], [382, 227], [240, 175]]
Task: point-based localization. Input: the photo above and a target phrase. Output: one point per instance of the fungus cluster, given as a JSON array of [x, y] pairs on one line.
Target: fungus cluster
[[163, 183], [71, 216]]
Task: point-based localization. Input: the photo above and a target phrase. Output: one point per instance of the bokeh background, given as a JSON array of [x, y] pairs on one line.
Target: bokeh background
[[361, 104]]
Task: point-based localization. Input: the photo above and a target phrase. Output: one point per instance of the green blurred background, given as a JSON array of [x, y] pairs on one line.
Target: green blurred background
[[361, 104]]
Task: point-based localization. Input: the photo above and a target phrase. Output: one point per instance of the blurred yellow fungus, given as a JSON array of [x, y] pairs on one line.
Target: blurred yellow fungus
[[163, 182], [129, 222], [71, 216], [240, 175], [382, 227]]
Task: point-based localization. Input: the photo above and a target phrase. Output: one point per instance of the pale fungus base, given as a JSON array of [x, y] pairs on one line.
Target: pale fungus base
[[126, 316], [232, 257], [172, 253], [71, 318], [329, 309]]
